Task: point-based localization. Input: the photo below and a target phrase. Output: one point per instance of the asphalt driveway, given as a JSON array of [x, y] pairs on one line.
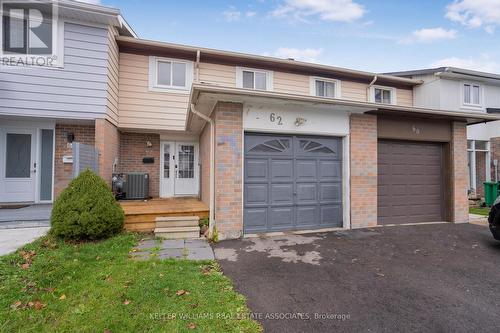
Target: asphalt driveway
[[441, 277]]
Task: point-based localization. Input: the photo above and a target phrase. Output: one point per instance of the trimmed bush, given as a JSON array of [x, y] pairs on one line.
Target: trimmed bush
[[86, 209]]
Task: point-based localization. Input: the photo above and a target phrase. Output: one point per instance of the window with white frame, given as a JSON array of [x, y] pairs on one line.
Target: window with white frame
[[254, 79], [471, 94], [165, 74], [478, 151], [383, 95], [328, 88]]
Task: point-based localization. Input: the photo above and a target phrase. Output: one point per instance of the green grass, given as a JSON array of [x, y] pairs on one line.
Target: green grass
[[479, 210], [106, 291]]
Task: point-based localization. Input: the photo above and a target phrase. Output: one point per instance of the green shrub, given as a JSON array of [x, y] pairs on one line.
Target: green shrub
[[86, 209]]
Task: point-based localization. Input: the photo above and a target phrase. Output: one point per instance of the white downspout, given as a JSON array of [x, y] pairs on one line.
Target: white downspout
[[211, 222], [197, 66], [368, 94]]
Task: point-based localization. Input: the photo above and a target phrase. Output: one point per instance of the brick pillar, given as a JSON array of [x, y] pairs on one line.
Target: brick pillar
[[459, 173], [107, 141], [63, 172], [363, 161], [228, 170]]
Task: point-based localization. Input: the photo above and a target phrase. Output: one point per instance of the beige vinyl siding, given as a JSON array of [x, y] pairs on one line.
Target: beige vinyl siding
[[354, 91], [144, 109], [404, 97], [291, 83], [113, 78], [222, 75]]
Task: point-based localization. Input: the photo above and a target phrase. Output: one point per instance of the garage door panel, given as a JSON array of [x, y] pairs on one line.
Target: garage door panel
[[255, 219], [256, 169], [256, 194], [410, 186], [306, 170], [331, 216], [330, 192], [282, 194], [399, 170], [307, 193], [281, 217], [330, 170], [281, 170], [306, 216]]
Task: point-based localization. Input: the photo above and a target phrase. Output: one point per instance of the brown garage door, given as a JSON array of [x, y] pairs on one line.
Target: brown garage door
[[410, 182]]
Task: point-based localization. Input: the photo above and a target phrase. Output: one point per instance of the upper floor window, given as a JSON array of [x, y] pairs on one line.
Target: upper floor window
[[255, 79], [471, 94], [325, 87], [383, 95], [165, 73]]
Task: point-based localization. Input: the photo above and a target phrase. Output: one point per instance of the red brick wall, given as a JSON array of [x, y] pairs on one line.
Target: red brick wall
[[363, 162], [228, 170], [63, 172], [459, 176], [107, 141], [133, 149], [205, 164]]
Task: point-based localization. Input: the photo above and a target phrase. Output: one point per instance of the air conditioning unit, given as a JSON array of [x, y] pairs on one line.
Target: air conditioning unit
[[131, 186]]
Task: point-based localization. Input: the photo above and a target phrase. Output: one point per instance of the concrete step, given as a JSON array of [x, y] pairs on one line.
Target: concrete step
[[177, 221], [178, 232]]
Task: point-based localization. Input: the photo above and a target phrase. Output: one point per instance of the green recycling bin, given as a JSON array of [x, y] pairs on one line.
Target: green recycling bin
[[490, 192]]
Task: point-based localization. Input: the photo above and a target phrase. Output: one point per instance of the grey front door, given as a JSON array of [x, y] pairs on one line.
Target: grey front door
[[410, 182], [292, 182]]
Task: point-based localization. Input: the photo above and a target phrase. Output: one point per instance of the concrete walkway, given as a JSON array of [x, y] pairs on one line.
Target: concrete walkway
[[190, 249], [26, 217], [12, 239]]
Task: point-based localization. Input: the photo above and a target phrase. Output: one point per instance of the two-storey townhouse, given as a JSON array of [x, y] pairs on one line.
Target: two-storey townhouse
[[278, 145], [457, 89], [267, 144], [44, 109]]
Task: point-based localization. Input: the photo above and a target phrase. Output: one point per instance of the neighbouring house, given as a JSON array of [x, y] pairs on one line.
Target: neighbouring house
[[457, 89], [267, 144]]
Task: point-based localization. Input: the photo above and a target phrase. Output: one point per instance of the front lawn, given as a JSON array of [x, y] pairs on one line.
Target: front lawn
[[479, 210], [95, 287]]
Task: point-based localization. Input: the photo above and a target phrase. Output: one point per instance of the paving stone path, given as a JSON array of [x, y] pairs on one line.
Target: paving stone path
[[190, 249]]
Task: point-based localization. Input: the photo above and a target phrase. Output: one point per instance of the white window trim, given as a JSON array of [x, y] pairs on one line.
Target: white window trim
[[269, 77], [312, 86], [472, 106], [153, 71], [394, 98]]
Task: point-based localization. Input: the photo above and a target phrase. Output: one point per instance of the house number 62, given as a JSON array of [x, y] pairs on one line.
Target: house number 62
[[275, 118]]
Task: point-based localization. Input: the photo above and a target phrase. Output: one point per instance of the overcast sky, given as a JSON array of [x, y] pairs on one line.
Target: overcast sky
[[371, 35]]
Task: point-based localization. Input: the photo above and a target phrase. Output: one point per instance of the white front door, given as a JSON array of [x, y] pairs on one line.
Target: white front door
[[179, 174], [17, 165]]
